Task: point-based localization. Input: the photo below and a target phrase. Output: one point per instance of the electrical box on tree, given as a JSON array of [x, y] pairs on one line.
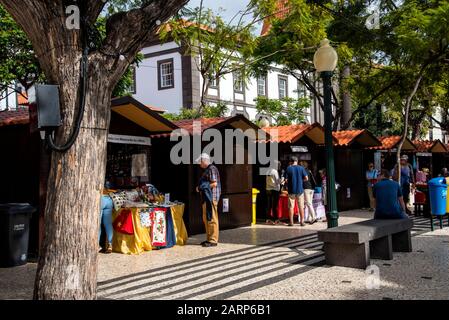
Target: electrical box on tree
[[44, 107]]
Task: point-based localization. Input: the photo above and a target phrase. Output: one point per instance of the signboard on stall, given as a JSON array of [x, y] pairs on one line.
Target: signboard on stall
[[423, 154], [299, 149], [123, 139], [225, 205]]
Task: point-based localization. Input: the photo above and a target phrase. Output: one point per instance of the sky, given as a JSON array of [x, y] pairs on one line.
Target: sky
[[231, 7]]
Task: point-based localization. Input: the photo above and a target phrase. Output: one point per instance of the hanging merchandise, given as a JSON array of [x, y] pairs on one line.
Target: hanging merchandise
[[124, 222], [145, 218], [118, 199], [139, 166], [159, 232]]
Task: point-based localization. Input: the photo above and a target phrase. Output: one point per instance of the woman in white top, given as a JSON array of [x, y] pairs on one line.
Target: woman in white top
[[273, 187]]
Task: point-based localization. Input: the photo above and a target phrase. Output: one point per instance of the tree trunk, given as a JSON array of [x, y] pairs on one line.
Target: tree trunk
[[407, 107], [345, 120], [67, 267]]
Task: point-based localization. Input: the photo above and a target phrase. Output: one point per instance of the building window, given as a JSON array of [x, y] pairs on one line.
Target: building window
[[302, 91], [166, 78], [262, 86], [239, 83], [132, 86], [283, 87], [213, 81]]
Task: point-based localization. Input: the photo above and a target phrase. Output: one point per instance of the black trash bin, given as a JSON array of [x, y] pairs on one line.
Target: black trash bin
[[14, 233]]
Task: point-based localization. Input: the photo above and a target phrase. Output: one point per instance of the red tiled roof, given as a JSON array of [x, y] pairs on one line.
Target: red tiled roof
[[282, 11], [427, 145], [423, 145], [12, 117], [206, 123], [156, 109], [22, 99], [388, 143], [289, 133], [346, 137], [187, 124]]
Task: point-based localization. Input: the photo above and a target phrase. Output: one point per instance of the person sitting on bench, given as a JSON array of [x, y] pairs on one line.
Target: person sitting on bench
[[389, 200]]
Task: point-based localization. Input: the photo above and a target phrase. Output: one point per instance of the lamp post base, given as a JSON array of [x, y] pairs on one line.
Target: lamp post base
[[332, 219]]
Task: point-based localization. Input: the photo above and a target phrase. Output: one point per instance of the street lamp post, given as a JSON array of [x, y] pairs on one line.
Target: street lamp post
[[325, 61]]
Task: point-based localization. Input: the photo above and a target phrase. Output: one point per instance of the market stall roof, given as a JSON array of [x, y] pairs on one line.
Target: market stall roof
[[14, 117], [294, 132], [238, 122], [363, 137], [391, 142], [142, 115], [429, 146]]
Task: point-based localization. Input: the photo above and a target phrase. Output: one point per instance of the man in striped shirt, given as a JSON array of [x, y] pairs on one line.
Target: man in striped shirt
[[210, 189]]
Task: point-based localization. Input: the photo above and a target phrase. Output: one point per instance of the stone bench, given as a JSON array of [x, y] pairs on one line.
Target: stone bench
[[353, 245]]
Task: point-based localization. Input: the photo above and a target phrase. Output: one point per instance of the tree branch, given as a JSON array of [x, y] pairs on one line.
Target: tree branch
[[94, 8], [373, 98], [126, 32]]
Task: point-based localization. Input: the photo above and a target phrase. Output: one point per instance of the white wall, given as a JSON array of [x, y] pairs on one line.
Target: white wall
[[147, 90], [171, 100], [226, 90], [8, 99]]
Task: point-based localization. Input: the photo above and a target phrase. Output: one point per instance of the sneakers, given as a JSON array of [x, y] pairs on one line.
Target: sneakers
[[108, 247], [208, 244]]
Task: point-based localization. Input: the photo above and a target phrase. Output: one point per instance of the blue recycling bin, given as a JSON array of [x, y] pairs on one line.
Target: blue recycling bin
[[438, 196]]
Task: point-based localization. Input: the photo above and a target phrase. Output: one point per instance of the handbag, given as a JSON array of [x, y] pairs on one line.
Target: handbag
[[124, 222]]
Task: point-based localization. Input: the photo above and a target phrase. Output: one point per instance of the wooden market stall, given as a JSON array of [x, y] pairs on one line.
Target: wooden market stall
[[235, 206], [301, 140], [350, 167], [384, 156], [20, 166], [431, 155], [28, 163]]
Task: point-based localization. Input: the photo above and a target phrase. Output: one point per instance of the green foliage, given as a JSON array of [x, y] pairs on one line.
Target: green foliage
[[17, 59], [115, 6], [220, 47], [412, 39], [209, 111], [19, 63], [385, 62], [285, 111]]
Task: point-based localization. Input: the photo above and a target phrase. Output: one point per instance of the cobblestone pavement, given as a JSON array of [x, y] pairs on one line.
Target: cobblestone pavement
[[263, 262]]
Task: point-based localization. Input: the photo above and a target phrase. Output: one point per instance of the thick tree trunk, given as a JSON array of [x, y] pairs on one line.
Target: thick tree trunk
[[67, 266]]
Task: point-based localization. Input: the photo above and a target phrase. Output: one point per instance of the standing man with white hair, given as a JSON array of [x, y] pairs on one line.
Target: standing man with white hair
[[209, 187]]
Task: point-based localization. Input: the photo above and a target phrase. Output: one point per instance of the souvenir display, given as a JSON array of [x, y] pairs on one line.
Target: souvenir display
[[159, 230]]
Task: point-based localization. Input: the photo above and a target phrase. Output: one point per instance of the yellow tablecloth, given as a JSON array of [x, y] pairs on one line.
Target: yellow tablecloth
[[132, 244], [141, 240], [178, 224]]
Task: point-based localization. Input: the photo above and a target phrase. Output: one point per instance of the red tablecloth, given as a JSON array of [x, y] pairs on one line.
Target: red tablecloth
[[282, 212]]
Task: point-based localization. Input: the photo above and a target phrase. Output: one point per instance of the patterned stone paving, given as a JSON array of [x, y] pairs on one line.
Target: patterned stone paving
[[263, 262]]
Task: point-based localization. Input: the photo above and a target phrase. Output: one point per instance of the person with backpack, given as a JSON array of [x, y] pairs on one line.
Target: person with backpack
[[309, 191], [407, 179]]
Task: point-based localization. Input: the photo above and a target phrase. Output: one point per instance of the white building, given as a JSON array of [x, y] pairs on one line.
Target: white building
[[9, 99], [170, 80]]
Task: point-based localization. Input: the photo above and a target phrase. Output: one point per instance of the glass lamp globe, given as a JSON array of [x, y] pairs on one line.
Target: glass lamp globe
[[264, 123], [325, 58]]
